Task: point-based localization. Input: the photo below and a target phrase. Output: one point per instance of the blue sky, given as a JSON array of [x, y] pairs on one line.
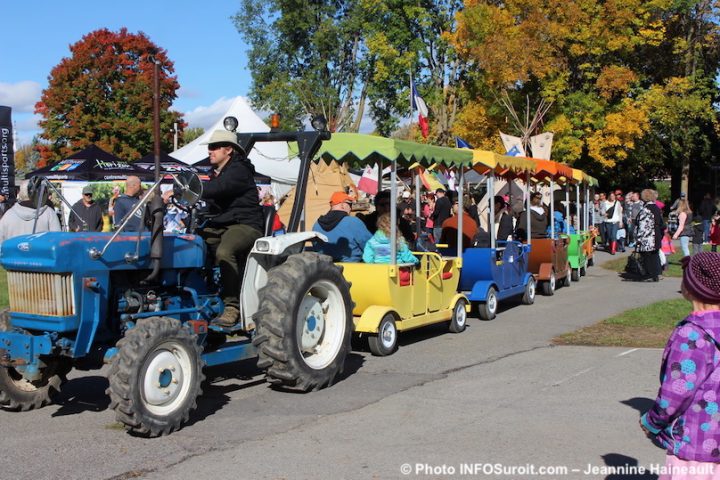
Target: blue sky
[[200, 37]]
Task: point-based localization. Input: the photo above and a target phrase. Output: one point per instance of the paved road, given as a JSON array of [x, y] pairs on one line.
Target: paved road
[[498, 393]]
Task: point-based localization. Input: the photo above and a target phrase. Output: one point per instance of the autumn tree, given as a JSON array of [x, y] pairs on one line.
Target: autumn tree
[[103, 94], [603, 64], [190, 134]]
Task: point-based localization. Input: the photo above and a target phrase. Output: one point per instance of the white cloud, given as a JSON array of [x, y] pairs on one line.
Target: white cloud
[[20, 96], [204, 117]]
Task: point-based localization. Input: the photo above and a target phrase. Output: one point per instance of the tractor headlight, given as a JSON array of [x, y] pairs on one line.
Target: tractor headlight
[[262, 246]]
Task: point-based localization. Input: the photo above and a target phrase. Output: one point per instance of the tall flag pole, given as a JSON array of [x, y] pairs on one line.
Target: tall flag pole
[[417, 103]]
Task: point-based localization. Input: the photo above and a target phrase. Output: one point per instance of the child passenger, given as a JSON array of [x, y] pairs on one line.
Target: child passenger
[[377, 249], [684, 418]]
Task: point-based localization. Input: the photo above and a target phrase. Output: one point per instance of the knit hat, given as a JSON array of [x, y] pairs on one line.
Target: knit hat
[[701, 276]]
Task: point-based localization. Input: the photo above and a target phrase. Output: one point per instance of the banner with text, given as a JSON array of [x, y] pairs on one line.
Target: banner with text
[[7, 154]]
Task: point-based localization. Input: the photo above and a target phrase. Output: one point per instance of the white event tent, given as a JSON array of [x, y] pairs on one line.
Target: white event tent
[[271, 159]]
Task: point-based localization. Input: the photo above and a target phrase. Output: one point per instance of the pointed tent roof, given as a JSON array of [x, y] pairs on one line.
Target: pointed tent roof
[[91, 164], [168, 164], [270, 158]]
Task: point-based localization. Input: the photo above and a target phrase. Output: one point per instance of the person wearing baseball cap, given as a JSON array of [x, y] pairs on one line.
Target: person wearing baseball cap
[[87, 214], [347, 235], [690, 375]]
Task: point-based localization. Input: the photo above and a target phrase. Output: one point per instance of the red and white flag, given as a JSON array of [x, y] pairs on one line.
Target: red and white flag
[[417, 103], [369, 181]]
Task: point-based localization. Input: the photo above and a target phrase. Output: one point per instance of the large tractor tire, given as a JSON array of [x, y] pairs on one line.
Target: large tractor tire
[[19, 394], [304, 323], [155, 377]]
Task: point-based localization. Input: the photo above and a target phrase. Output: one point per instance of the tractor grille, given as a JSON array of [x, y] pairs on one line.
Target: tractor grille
[[41, 293]]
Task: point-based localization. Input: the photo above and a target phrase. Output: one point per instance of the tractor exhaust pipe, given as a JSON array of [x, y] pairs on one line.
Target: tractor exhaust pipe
[[157, 209]]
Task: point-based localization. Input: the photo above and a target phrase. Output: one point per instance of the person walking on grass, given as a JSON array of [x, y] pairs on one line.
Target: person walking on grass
[[684, 417]]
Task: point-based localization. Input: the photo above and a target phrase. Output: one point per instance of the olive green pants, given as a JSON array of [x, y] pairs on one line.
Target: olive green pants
[[231, 246]]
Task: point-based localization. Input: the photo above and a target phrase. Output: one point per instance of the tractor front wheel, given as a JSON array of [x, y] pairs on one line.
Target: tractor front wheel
[[304, 322], [155, 377], [20, 394]]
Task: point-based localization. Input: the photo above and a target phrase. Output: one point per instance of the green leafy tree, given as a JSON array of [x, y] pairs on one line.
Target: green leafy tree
[[305, 59], [103, 94], [190, 134]]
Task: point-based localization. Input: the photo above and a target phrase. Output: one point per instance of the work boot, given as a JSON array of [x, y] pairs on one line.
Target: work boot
[[228, 318]]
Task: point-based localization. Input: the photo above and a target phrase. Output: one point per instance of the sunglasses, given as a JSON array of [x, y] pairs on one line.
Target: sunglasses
[[214, 147], [88, 194]]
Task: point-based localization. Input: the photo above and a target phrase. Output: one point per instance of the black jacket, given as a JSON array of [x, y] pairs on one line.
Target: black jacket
[[538, 226], [442, 211], [234, 194], [92, 216]]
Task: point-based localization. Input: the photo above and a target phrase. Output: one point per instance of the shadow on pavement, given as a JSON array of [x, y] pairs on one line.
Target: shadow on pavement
[[640, 404], [84, 394], [626, 468]]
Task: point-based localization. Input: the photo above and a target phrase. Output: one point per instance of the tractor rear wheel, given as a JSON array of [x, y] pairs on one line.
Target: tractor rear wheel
[[19, 394], [304, 322], [155, 377], [548, 286]]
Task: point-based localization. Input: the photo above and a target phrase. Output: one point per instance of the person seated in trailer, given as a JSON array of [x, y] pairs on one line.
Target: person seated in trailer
[[89, 212], [503, 220], [441, 212], [560, 224], [450, 229], [382, 205], [347, 235], [538, 220], [378, 248]]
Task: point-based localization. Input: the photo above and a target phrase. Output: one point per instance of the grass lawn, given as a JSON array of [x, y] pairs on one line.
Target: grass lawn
[[674, 268], [647, 326]]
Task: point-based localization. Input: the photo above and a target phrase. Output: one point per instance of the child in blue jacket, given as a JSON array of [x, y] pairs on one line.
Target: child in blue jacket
[[378, 248]]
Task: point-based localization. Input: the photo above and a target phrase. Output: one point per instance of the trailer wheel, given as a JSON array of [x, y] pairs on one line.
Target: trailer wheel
[[19, 394], [568, 279], [583, 271], [590, 262], [575, 275], [488, 309], [458, 322], [528, 297], [155, 377], [385, 342], [548, 286], [304, 322]]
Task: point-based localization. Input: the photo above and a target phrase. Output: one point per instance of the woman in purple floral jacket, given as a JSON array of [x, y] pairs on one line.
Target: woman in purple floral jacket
[[685, 418]]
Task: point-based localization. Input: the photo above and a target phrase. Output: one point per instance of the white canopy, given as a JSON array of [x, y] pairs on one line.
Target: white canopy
[[270, 159]]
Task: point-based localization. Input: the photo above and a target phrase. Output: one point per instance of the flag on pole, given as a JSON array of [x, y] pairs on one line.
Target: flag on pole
[[417, 103], [460, 143], [369, 181]]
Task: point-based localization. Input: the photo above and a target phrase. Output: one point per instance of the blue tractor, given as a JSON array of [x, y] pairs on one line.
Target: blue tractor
[[144, 303]]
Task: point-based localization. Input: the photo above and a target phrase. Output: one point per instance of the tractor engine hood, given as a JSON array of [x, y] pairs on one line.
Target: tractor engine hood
[[70, 252]]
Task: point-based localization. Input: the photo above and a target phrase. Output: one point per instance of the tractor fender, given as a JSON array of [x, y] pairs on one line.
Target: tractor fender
[[480, 290], [546, 270], [527, 278], [278, 245], [370, 319], [268, 252]]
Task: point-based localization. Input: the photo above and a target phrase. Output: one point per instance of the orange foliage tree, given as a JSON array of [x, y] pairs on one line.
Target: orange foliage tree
[[103, 94]]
